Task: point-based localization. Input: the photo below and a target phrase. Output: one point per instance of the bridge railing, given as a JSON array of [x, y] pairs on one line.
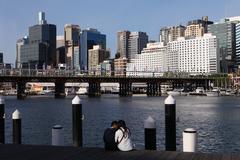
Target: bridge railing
[[97, 73]]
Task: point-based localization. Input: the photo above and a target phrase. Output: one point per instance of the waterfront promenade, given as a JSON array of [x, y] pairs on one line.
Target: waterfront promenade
[[27, 152]]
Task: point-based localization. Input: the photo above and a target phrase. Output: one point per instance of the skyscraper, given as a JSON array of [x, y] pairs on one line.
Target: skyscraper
[[238, 44], [169, 34], [137, 41], [88, 38], [1, 59], [196, 28], [41, 49], [122, 43], [225, 33], [96, 56], [19, 44], [60, 53], [72, 38]]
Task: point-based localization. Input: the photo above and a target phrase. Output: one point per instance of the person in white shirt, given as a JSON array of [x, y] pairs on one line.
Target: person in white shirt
[[122, 137]]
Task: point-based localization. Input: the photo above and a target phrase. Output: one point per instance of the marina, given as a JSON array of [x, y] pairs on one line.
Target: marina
[[215, 118]]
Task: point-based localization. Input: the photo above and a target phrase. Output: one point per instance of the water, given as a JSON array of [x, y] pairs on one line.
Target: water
[[216, 119]]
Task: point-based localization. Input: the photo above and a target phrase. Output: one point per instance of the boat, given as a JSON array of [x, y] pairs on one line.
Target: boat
[[81, 91], [213, 93], [175, 92], [199, 92], [230, 92], [115, 90]]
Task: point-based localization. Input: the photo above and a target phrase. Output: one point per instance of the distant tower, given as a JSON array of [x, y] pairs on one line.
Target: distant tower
[[41, 18]]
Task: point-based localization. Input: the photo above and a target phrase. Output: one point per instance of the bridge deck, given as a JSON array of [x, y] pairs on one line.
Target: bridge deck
[[27, 152]]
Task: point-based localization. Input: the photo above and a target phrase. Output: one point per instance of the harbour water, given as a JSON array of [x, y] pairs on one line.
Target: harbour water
[[217, 119]]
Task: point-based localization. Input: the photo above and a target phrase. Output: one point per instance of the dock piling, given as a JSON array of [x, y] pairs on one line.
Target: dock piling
[[2, 120], [170, 123], [77, 121], [150, 133], [17, 135]]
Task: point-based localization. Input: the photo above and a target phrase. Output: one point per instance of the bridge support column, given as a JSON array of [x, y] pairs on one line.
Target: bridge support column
[[60, 89], [94, 89], [154, 89], [125, 89], [21, 86]]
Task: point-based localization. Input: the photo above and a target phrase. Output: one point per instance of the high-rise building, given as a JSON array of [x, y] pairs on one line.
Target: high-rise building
[[196, 28], [19, 44], [122, 43], [60, 41], [120, 66], [60, 52], [238, 44], [96, 56], [88, 38], [41, 49], [169, 34], [197, 55], [225, 32], [137, 41], [72, 38], [1, 59], [152, 59]]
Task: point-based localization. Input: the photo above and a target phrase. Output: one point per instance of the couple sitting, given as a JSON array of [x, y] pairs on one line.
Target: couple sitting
[[117, 137]]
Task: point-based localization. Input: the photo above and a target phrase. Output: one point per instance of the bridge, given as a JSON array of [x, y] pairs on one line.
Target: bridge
[[21, 76]]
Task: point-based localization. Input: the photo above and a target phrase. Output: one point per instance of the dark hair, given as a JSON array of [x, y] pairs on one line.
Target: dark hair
[[121, 123], [114, 123]]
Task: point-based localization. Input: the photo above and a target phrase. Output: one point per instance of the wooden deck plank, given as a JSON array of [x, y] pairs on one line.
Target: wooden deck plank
[[27, 152]]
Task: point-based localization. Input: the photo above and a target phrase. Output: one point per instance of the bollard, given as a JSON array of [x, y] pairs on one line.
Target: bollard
[[2, 119], [57, 135], [189, 140], [16, 127], [170, 123], [150, 133], [77, 121]]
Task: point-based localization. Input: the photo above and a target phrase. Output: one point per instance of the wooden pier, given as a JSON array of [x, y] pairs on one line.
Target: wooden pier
[[31, 152]]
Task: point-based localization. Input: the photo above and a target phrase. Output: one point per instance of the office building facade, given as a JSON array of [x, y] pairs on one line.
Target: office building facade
[[72, 42], [169, 34], [123, 43], [152, 59], [226, 34], [88, 38], [238, 44], [41, 49], [19, 44], [197, 28], [96, 56], [196, 55], [137, 41]]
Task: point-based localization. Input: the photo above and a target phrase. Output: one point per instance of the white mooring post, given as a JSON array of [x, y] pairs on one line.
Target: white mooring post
[[189, 140], [57, 135]]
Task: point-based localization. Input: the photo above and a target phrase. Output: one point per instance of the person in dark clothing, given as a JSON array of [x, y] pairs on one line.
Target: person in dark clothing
[[109, 137]]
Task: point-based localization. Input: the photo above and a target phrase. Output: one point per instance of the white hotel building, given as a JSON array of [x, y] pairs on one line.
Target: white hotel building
[[151, 59], [198, 55]]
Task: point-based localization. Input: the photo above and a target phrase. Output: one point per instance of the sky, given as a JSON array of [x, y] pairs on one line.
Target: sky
[[108, 16]]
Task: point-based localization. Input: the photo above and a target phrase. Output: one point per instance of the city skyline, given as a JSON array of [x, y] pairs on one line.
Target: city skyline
[[146, 16]]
